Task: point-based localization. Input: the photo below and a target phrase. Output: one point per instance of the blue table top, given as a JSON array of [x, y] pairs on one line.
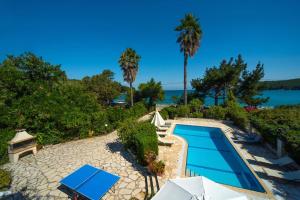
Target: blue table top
[[90, 182]]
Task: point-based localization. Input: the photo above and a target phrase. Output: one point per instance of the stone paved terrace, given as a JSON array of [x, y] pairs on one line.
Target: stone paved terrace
[[37, 177]]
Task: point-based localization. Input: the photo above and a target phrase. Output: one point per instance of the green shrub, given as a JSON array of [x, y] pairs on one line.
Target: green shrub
[[215, 112], [5, 179], [138, 110], [5, 136], [145, 142], [195, 105], [140, 137], [238, 115], [50, 137], [126, 132], [183, 111], [172, 111], [164, 114], [100, 123], [282, 122], [196, 115], [116, 115], [293, 144], [268, 131]]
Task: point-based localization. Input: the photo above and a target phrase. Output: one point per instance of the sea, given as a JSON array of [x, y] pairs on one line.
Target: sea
[[277, 97]]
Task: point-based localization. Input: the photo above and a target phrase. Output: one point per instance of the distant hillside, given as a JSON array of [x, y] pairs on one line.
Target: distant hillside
[[292, 84]]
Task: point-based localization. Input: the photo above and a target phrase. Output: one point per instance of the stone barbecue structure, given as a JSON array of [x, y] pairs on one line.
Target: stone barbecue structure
[[22, 143]]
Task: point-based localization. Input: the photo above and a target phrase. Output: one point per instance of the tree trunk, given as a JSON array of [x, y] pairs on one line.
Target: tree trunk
[[225, 93], [131, 94], [216, 100], [185, 78], [216, 97]]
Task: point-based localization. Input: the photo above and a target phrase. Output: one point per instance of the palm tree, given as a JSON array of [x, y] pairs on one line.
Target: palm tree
[[129, 63], [190, 34]]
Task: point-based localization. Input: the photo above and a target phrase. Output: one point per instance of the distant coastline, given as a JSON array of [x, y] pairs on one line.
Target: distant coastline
[[277, 97], [291, 84]]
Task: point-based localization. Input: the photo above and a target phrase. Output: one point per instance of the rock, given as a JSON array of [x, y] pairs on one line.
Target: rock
[[133, 177], [131, 185], [125, 191]]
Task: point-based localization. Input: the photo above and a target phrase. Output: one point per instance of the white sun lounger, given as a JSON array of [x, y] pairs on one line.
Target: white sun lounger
[[290, 176], [160, 133], [166, 126], [164, 142], [285, 160], [246, 139], [162, 128]]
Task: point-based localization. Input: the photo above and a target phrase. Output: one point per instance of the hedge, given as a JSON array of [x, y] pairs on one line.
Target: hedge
[[146, 142], [238, 115], [172, 112], [282, 122], [118, 114], [5, 136], [140, 137], [183, 111], [215, 112]]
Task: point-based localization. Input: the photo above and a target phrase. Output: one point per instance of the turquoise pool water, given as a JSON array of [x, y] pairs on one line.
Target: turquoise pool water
[[210, 154]]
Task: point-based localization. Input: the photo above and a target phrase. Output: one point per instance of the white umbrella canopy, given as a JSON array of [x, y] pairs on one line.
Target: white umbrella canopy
[[197, 187], [158, 120]]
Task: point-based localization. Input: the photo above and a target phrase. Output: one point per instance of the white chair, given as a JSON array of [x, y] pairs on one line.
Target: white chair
[[162, 128], [285, 160], [164, 142], [159, 133], [246, 139], [290, 176]]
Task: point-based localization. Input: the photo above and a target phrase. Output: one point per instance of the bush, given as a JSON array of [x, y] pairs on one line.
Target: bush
[[215, 112], [164, 114], [172, 111], [145, 142], [138, 110], [100, 123], [5, 136], [282, 122], [196, 115], [126, 132], [5, 179], [140, 137], [195, 105], [157, 167], [266, 130], [238, 115], [117, 115], [293, 144], [183, 111], [50, 137]]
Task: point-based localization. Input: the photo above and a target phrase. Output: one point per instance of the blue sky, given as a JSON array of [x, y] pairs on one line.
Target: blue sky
[[86, 37]]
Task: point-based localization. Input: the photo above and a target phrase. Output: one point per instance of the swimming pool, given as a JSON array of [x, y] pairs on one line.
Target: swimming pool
[[210, 154]]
